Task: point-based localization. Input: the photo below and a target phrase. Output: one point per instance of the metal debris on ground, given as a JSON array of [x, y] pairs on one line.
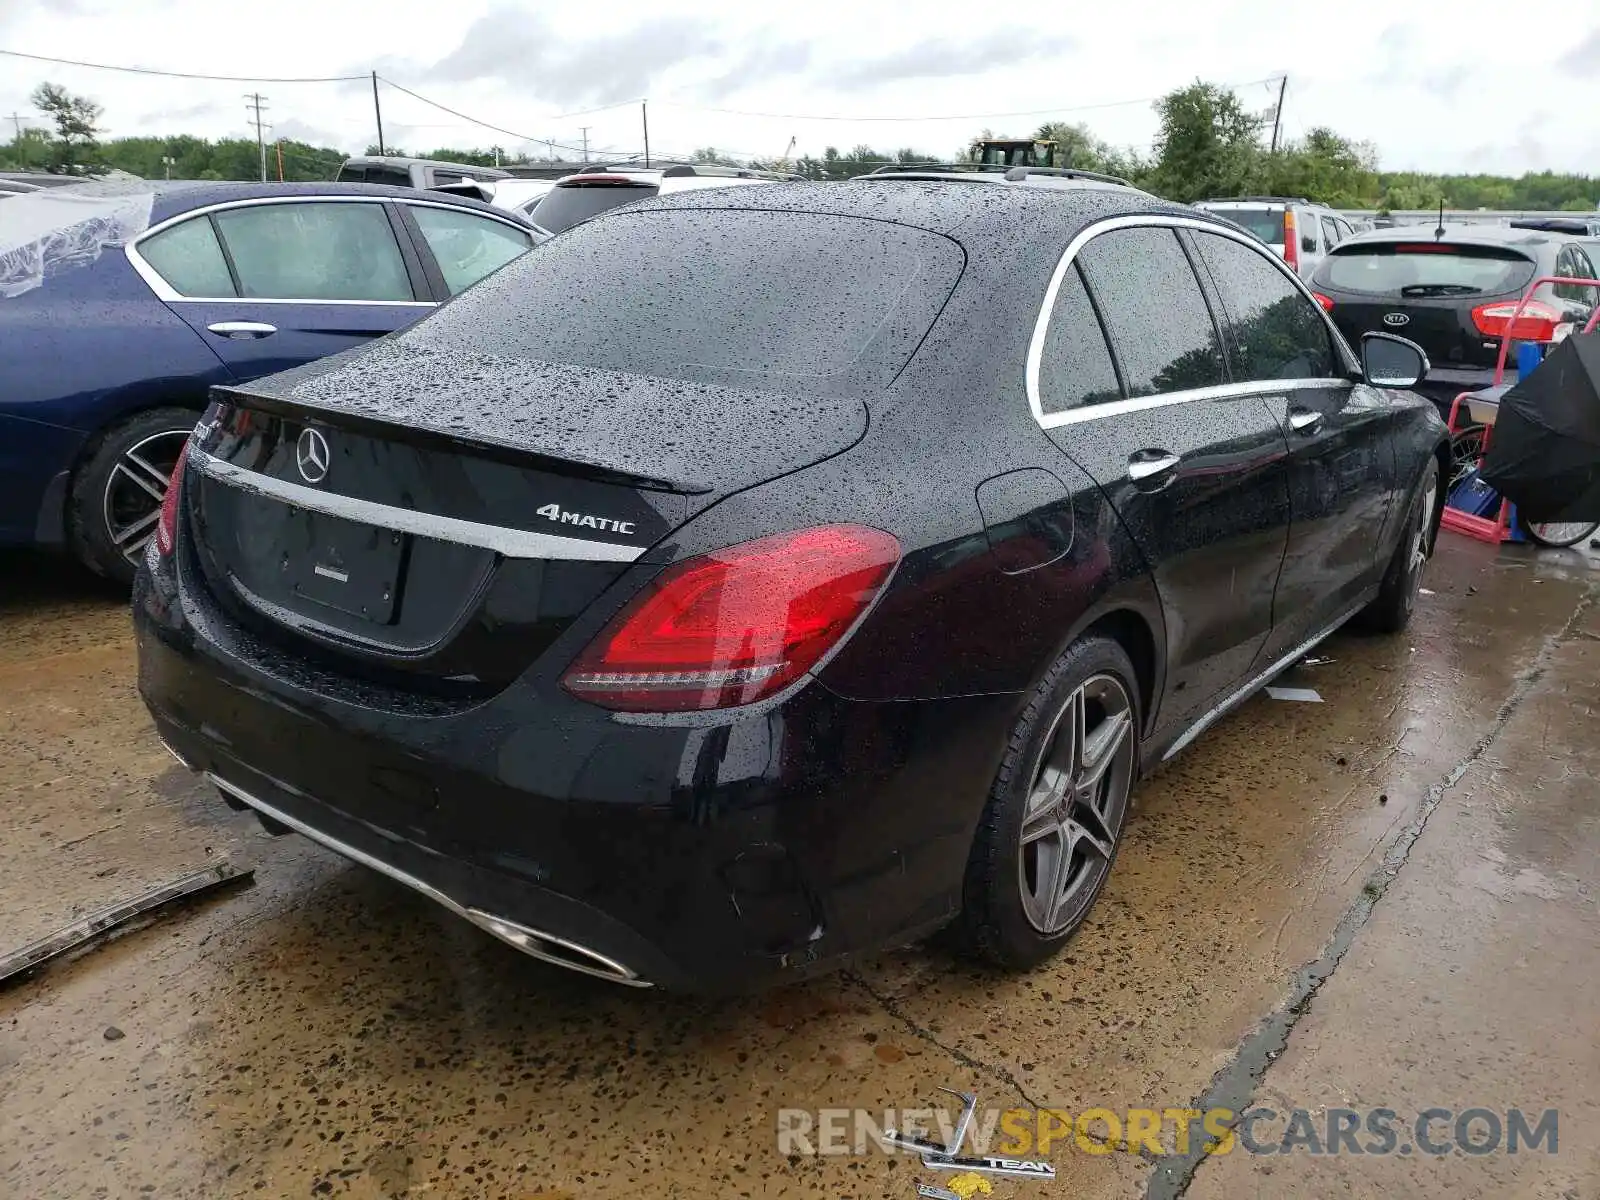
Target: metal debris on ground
[[1316, 662], [1303, 695], [116, 918]]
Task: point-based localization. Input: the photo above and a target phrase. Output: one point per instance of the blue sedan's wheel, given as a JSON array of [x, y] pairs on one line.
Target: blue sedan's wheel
[[117, 493]]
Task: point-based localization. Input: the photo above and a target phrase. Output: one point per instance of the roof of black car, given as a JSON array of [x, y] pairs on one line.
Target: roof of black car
[[176, 196], [970, 206]]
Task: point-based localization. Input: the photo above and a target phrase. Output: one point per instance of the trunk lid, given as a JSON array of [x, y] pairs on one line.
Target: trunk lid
[[439, 525]]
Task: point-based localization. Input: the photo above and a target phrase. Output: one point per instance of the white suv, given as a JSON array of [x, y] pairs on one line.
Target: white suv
[[1298, 231]]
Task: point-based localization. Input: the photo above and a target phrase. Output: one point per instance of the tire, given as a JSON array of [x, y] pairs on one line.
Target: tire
[[117, 490], [1390, 611], [1558, 534], [1043, 812]]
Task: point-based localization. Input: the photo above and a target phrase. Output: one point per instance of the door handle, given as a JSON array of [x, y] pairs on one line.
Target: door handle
[[1147, 464], [1303, 420], [242, 330]]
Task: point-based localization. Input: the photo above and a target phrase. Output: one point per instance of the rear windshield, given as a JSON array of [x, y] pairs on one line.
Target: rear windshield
[[1426, 269], [562, 207], [789, 301], [1264, 223]]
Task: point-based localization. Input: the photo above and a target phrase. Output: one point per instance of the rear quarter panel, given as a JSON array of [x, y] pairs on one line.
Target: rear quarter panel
[[90, 347]]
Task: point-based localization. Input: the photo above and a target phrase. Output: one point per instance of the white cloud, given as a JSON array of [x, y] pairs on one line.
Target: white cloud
[[1428, 102]]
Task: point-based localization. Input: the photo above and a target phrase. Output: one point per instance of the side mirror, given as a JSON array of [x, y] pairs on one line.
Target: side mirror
[[1308, 243], [1392, 362]]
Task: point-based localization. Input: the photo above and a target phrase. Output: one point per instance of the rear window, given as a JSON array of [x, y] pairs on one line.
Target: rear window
[[1263, 223], [564, 206], [1426, 269], [788, 301]]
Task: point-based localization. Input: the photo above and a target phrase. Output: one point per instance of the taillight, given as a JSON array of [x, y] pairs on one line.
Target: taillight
[[1291, 240], [167, 522], [1536, 323], [1325, 301], [735, 625]]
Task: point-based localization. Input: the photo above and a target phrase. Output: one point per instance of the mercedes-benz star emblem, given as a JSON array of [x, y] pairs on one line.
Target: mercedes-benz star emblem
[[1396, 319], [311, 455]]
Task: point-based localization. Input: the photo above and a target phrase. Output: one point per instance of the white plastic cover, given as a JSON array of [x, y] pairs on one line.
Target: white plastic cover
[[47, 231]]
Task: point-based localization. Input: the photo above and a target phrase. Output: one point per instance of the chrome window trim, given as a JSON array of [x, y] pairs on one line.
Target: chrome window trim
[[170, 295], [512, 543], [1041, 329]]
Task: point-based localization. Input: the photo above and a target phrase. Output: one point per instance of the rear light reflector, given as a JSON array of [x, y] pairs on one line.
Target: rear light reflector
[[736, 625], [167, 522], [1291, 240], [1536, 323], [1325, 301]]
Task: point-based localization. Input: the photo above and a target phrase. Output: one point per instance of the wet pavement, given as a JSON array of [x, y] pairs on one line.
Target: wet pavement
[[1383, 900]]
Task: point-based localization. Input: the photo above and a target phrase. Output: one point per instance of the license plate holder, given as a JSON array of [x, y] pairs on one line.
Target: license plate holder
[[344, 565]]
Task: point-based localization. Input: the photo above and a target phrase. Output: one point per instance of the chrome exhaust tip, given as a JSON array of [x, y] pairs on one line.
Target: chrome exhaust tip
[[551, 949], [178, 758]]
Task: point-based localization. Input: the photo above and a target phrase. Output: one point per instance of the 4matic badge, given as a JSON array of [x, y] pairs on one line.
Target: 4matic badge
[[554, 512]]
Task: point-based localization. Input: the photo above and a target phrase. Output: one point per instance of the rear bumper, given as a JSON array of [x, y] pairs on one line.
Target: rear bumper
[[707, 855]]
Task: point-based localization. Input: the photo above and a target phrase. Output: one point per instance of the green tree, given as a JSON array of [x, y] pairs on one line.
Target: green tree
[[1207, 144], [77, 122], [29, 150]]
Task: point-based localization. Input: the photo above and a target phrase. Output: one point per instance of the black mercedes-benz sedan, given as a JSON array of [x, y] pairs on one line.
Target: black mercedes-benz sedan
[[746, 580]]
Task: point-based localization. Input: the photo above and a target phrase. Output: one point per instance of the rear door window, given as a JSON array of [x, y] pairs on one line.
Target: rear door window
[[189, 258], [318, 251], [1075, 367], [1154, 311], [564, 206], [1424, 269], [786, 301], [1278, 333], [466, 245], [1330, 232]]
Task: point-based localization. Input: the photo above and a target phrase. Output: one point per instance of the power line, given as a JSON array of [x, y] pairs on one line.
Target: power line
[[521, 137], [70, 62], [1031, 112]]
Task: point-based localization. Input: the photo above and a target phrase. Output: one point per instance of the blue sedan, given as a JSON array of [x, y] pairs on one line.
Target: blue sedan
[[121, 303]]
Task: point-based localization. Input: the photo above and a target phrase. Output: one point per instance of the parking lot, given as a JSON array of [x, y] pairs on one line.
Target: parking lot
[[1386, 899]]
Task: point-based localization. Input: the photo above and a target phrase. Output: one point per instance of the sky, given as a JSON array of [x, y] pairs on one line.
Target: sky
[[1431, 89]]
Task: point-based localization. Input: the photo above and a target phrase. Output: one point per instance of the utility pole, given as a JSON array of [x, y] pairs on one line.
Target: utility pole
[[1277, 112], [255, 99], [16, 119], [586, 129], [644, 116], [377, 111]]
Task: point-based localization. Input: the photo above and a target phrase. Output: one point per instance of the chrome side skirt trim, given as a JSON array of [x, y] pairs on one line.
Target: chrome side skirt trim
[[1256, 682], [544, 946], [513, 543]]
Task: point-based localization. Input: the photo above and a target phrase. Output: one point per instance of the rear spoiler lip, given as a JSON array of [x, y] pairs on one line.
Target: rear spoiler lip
[[431, 438]]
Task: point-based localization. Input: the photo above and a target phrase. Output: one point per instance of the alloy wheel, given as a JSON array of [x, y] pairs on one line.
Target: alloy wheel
[[135, 489], [1076, 805]]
